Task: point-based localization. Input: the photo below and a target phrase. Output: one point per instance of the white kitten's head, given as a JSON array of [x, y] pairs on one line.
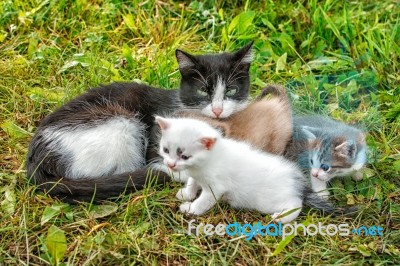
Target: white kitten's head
[[185, 142]]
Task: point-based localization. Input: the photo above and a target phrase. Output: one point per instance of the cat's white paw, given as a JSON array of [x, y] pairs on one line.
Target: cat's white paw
[[185, 207], [189, 208], [357, 176], [181, 177], [185, 194]]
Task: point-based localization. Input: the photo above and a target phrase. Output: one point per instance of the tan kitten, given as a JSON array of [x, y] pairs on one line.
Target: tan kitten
[[265, 123]]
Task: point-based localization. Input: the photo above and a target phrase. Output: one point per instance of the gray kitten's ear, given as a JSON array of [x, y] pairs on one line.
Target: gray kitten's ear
[[185, 60], [346, 149], [162, 122], [245, 54], [308, 132]]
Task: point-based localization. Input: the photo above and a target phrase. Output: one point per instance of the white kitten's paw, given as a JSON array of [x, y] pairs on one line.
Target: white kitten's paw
[[357, 176], [185, 194], [189, 208], [181, 176], [186, 207]]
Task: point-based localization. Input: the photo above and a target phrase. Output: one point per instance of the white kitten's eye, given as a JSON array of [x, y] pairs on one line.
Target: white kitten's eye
[[202, 92], [166, 150], [325, 167], [231, 92], [185, 157]]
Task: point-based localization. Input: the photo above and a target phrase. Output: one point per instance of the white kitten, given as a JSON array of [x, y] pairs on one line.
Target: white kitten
[[229, 170]]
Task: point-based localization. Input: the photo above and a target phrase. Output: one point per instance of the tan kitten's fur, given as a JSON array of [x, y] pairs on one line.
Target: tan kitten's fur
[[265, 123]]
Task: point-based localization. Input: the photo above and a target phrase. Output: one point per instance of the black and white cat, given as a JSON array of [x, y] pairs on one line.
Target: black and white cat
[[101, 143]]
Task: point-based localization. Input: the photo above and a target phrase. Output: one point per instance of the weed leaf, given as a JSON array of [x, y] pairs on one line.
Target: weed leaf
[[8, 203], [281, 63], [282, 244], [13, 130], [241, 22], [56, 243], [100, 211]]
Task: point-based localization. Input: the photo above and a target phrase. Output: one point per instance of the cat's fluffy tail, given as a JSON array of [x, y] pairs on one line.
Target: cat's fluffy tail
[[102, 188], [276, 90], [313, 200]]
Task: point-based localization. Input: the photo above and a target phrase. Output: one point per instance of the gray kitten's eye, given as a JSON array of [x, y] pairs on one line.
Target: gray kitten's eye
[[325, 167], [202, 92], [231, 92], [165, 150]]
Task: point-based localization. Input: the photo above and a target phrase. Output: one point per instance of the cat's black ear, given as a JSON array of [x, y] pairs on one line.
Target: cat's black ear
[[245, 54], [185, 60], [346, 149]]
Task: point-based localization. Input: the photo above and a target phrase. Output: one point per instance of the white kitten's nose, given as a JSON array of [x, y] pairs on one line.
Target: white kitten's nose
[[314, 172], [172, 165], [217, 111]]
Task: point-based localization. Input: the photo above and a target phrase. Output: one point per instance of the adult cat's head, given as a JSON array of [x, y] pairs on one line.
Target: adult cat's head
[[218, 84]]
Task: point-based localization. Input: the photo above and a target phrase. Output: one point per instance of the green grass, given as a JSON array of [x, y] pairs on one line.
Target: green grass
[[336, 57]]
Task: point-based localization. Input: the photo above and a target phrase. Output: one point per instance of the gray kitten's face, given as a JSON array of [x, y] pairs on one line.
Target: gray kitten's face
[[217, 84], [330, 158]]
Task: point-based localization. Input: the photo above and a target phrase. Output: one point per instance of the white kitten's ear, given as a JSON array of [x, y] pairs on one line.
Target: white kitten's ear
[[208, 142], [162, 122], [245, 54], [185, 60], [308, 132], [347, 149]]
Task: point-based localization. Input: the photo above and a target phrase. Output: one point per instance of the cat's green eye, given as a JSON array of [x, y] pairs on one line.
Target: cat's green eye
[[202, 92], [325, 167], [231, 92], [166, 150]]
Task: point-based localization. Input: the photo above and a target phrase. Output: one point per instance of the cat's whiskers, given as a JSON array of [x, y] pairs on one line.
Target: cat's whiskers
[[234, 73], [211, 74], [203, 80], [155, 160], [236, 78], [231, 75]]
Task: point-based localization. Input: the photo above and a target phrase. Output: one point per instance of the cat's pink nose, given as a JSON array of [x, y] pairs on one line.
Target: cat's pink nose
[[314, 172], [217, 111], [172, 165]]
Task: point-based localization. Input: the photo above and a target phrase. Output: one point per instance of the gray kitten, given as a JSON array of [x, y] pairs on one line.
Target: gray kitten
[[326, 148]]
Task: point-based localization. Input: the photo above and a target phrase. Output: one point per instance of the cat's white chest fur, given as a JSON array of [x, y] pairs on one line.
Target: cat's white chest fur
[[113, 147]]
